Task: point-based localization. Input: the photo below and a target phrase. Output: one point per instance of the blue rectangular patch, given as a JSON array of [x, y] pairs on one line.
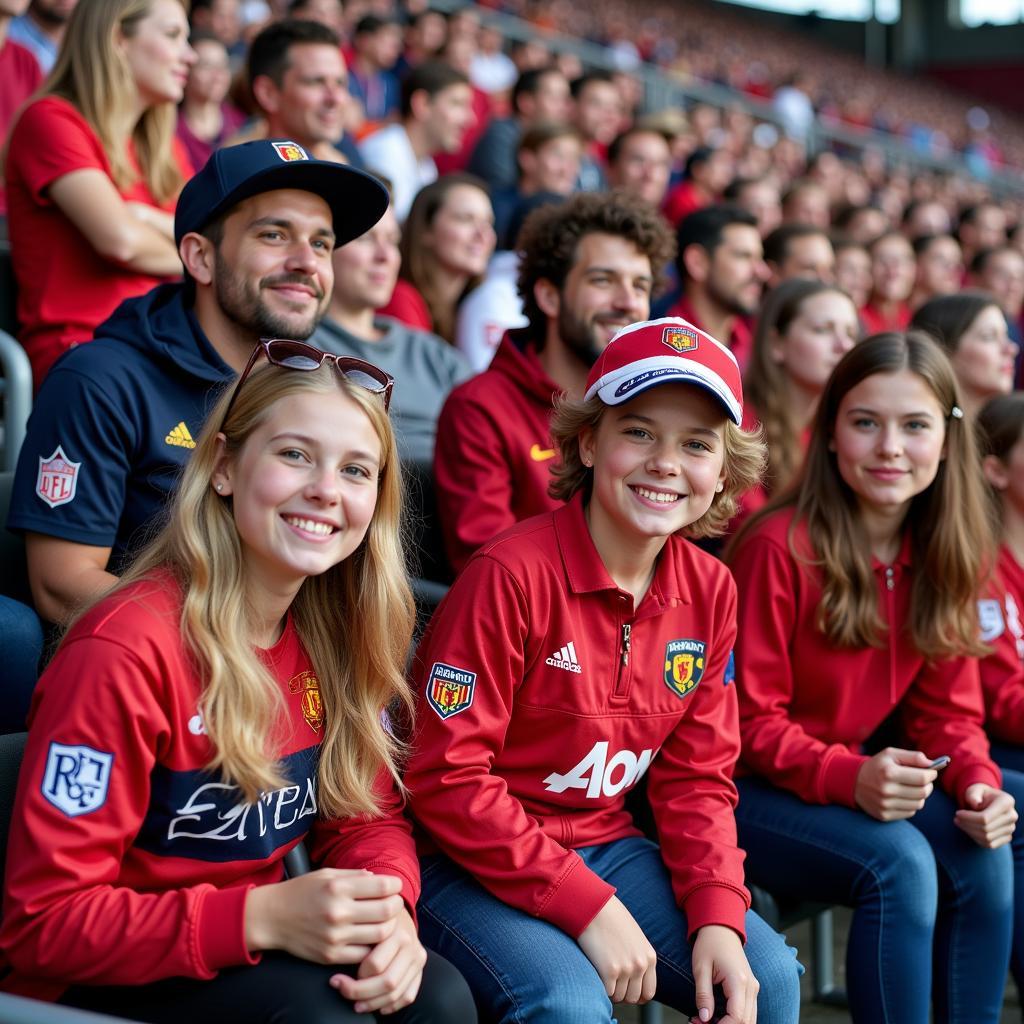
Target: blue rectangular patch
[[730, 670]]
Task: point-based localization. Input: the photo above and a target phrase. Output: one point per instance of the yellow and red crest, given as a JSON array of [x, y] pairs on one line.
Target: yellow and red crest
[[289, 151], [307, 686], [679, 339], [450, 689], [684, 665]]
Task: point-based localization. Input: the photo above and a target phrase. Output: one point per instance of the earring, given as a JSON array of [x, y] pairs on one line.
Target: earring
[[720, 487], [218, 488], [588, 462]]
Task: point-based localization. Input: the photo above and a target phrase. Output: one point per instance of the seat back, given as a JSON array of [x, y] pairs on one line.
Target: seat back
[[16, 396]]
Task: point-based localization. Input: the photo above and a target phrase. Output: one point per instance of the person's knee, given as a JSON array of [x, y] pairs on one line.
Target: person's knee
[[580, 1000], [902, 875], [777, 971]]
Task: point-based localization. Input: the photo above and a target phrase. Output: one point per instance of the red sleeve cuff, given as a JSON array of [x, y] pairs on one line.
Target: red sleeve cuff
[[957, 784], [220, 930], [410, 886], [839, 778], [575, 899], [716, 904]]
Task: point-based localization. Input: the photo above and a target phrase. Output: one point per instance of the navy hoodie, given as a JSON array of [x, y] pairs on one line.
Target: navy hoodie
[[113, 425]]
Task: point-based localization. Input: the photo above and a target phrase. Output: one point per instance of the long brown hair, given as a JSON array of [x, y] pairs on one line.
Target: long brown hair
[[764, 384], [91, 75], [998, 427], [355, 620], [951, 539]]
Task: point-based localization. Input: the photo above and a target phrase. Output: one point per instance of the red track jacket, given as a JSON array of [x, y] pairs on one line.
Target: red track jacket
[[544, 697], [1002, 672]]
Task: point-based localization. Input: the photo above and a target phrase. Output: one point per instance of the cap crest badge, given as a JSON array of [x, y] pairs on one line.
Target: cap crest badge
[[289, 151], [679, 339]]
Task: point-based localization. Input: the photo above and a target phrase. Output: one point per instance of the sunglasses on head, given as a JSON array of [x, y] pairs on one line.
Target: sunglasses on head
[[297, 355]]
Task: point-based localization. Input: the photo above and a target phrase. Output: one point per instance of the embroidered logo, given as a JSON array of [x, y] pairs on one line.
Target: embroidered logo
[[290, 151], [58, 478], [307, 684], [990, 618], [76, 778], [196, 725], [179, 437], [600, 775], [684, 665], [565, 659], [679, 339], [539, 454], [450, 689]]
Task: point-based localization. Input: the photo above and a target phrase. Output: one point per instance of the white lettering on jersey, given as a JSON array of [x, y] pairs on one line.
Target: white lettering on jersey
[[1013, 621], [566, 659], [599, 776], [990, 618]]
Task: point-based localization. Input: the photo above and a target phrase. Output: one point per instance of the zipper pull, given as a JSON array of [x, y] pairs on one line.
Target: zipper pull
[[889, 582], [626, 630]]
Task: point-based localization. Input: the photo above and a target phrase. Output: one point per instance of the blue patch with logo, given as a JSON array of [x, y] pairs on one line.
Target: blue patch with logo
[[730, 670]]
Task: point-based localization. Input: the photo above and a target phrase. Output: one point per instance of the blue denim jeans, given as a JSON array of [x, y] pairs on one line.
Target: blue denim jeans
[[21, 644], [928, 902], [521, 968]]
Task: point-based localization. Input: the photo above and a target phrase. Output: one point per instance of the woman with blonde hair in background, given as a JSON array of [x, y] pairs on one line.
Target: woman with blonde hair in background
[[226, 700], [93, 171]]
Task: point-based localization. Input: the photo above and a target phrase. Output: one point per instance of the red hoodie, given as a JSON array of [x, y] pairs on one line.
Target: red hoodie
[[127, 861], [1002, 672], [493, 455], [544, 698], [806, 706]]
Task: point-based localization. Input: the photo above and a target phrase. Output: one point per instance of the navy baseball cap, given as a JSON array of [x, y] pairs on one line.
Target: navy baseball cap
[[357, 200]]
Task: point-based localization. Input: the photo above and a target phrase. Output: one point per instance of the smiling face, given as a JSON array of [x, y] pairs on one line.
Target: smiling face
[[889, 438], [365, 270], [311, 102], [658, 461], [461, 235], [158, 54], [984, 357], [303, 488]]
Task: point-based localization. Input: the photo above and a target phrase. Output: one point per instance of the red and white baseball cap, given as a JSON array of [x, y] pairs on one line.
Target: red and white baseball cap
[[666, 351]]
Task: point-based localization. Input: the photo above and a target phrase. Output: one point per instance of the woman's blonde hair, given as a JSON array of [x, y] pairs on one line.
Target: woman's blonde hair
[[355, 620], [765, 385], [91, 75], [951, 537], [743, 465]]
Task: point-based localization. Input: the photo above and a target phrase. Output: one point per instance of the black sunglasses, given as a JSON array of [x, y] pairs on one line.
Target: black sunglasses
[[297, 355]]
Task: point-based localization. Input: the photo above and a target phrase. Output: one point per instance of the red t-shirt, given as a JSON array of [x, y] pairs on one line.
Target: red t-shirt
[[19, 78], [65, 289], [407, 305]]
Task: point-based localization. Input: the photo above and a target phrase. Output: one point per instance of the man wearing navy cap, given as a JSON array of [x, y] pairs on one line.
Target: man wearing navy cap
[[116, 418]]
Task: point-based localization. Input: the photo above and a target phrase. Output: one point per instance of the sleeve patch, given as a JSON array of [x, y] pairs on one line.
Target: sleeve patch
[[58, 478], [990, 618], [450, 689], [77, 778], [730, 670]]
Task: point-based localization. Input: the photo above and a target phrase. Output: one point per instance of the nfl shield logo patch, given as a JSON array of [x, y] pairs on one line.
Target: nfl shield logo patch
[[450, 689], [289, 151], [58, 478], [679, 339], [684, 665], [76, 778]]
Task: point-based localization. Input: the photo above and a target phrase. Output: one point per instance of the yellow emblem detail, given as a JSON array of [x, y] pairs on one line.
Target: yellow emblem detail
[[179, 437], [308, 686], [679, 339], [289, 151], [539, 454]]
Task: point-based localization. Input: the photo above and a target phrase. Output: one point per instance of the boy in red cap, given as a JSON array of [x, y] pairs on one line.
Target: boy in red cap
[[577, 652]]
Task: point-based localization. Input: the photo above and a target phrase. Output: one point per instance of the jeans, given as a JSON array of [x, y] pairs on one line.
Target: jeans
[[932, 910], [521, 968], [22, 645]]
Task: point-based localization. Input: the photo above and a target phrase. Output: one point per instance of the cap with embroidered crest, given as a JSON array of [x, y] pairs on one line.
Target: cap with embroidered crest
[[357, 200], [666, 351]]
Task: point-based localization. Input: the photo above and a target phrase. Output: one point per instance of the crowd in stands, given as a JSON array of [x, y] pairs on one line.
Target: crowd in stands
[[446, 231]]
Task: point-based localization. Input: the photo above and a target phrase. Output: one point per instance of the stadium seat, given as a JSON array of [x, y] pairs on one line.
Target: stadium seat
[[15, 396]]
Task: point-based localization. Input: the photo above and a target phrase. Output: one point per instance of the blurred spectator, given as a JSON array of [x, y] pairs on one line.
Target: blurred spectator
[[721, 265], [376, 47], [940, 268], [221, 18], [458, 52], [205, 118], [491, 69], [425, 368], [446, 243], [597, 113], [425, 34], [116, 420], [893, 269], [41, 29], [1000, 272], [436, 110], [587, 270], [806, 202], [707, 173], [971, 328], [300, 84], [861, 224], [640, 161], [982, 226], [799, 250], [804, 328], [853, 270], [759, 196], [540, 94], [549, 161], [19, 76], [91, 189], [792, 103], [926, 217], [327, 12]]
